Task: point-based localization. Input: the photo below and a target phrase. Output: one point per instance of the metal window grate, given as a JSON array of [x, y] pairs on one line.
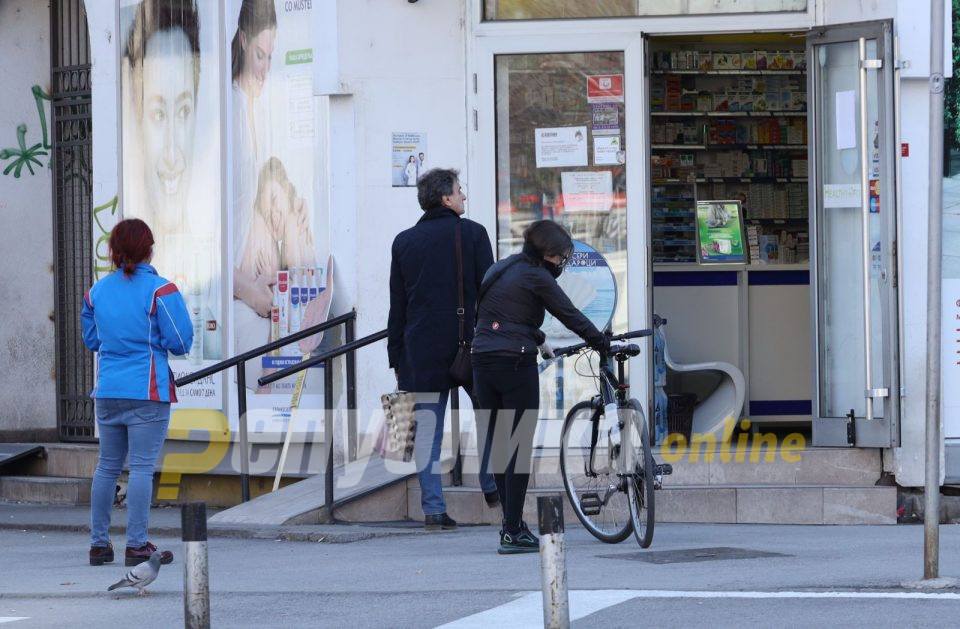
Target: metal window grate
[[71, 163]]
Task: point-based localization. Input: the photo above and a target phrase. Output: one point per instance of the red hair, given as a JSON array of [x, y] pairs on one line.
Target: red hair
[[131, 242]]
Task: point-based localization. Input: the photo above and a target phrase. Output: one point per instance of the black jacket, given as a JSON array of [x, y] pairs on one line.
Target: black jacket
[[511, 310], [423, 332]]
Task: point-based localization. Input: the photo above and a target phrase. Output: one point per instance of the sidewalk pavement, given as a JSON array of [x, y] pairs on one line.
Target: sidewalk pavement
[[400, 576]]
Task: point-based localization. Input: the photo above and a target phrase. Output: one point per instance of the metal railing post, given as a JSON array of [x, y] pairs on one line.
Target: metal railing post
[[455, 436], [244, 446], [328, 437], [350, 337]]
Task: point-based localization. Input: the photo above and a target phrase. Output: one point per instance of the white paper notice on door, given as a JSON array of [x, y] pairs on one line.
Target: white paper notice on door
[[586, 191], [837, 195], [950, 357], [846, 119], [561, 147]]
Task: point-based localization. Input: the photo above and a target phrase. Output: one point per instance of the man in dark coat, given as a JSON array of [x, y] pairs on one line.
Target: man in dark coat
[[423, 328]]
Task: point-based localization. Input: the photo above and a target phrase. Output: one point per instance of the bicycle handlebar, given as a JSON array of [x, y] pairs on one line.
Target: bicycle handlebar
[[573, 349]]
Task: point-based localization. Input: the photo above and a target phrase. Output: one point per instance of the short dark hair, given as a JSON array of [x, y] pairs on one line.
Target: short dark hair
[[548, 238], [131, 243], [434, 184]]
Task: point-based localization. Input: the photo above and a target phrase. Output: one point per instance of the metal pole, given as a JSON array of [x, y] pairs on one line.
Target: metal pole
[[865, 233], [196, 582], [457, 479], [931, 498], [244, 446], [328, 437], [553, 568], [350, 337]]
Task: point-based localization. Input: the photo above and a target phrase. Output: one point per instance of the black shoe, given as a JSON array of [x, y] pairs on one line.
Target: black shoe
[[440, 521], [516, 543], [492, 498]]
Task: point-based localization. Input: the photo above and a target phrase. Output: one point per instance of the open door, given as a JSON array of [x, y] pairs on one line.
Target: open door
[[853, 236]]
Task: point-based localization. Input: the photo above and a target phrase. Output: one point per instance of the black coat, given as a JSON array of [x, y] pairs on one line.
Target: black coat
[[423, 330], [512, 309]]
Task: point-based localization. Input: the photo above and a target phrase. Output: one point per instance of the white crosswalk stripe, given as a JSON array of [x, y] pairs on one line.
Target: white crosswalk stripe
[[4, 619], [527, 610]]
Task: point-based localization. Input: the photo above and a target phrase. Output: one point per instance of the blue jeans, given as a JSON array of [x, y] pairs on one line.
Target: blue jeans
[[137, 427], [430, 409]]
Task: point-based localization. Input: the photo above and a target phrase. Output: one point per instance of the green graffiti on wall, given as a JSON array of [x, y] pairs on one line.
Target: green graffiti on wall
[[22, 154], [101, 249]]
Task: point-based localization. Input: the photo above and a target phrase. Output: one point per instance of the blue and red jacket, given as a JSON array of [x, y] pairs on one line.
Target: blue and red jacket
[[132, 322]]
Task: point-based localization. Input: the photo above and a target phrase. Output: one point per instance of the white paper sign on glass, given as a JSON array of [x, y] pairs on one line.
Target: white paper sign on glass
[[586, 191], [846, 104], [559, 147], [837, 195], [607, 150]]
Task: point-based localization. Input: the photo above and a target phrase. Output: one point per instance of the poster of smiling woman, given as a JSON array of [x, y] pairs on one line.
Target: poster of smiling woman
[[171, 160]]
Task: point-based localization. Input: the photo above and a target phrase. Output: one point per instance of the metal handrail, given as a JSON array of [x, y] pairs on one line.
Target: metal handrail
[[239, 361], [347, 348], [269, 347]]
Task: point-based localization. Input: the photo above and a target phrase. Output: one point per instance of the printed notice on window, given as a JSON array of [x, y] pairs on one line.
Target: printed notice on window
[[561, 147], [587, 191], [846, 118]]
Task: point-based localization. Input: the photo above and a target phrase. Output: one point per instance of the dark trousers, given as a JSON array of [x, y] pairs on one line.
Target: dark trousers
[[508, 397]]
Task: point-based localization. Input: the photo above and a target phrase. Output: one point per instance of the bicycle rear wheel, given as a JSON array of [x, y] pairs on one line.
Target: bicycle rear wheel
[[640, 484], [598, 497]]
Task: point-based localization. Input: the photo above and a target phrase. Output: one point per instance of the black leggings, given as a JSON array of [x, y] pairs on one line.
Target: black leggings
[[505, 385]]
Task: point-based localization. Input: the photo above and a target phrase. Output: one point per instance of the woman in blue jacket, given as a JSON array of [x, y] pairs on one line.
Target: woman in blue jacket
[[131, 318]]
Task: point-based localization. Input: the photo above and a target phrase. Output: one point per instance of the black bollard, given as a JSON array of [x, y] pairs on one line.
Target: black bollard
[[196, 584]]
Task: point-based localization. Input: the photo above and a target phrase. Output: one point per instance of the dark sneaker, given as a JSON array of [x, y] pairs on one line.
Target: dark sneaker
[[100, 555], [135, 556], [492, 498], [516, 543], [439, 521]]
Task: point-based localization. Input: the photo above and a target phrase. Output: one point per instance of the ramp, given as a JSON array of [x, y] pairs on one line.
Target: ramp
[[303, 502], [11, 452]]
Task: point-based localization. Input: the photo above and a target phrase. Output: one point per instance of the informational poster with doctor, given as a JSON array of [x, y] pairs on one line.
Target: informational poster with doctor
[[280, 280], [170, 134]]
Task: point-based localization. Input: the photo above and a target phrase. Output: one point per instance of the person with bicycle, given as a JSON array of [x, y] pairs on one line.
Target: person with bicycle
[[513, 298]]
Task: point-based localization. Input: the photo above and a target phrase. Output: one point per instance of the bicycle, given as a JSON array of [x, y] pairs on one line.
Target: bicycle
[[607, 460]]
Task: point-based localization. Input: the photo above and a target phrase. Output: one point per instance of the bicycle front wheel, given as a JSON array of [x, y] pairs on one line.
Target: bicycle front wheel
[[590, 477], [640, 483]]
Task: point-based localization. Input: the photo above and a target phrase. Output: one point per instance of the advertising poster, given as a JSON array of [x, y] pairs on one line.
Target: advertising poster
[[606, 118], [605, 88], [950, 355], [590, 284], [408, 158], [607, 150], [280, 281], [170, 111], [561, 147], [720, 231]]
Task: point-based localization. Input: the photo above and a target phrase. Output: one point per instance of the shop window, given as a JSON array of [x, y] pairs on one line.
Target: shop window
[[570, 9], [560, 156]]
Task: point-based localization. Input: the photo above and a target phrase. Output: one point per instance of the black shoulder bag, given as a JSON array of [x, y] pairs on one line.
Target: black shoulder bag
[[461, 371]]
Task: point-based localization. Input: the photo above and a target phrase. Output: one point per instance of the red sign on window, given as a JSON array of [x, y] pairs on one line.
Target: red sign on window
[[904, 149], [605, 88]]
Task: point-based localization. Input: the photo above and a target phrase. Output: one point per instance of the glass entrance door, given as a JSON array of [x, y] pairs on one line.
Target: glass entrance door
[[562, 145], [854, 279]]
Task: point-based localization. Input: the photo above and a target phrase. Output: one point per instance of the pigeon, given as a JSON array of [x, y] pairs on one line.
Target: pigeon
[[141, 575]]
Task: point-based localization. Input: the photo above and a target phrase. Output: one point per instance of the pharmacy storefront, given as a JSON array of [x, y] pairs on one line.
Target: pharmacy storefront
[[741, 168]]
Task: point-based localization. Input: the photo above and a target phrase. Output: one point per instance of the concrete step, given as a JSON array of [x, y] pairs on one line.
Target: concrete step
[[73, 460], [855, 467], [53, 490], [741, 504]]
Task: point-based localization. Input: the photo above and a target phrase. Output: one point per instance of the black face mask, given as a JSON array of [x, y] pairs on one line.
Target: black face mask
[[554, 269]]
